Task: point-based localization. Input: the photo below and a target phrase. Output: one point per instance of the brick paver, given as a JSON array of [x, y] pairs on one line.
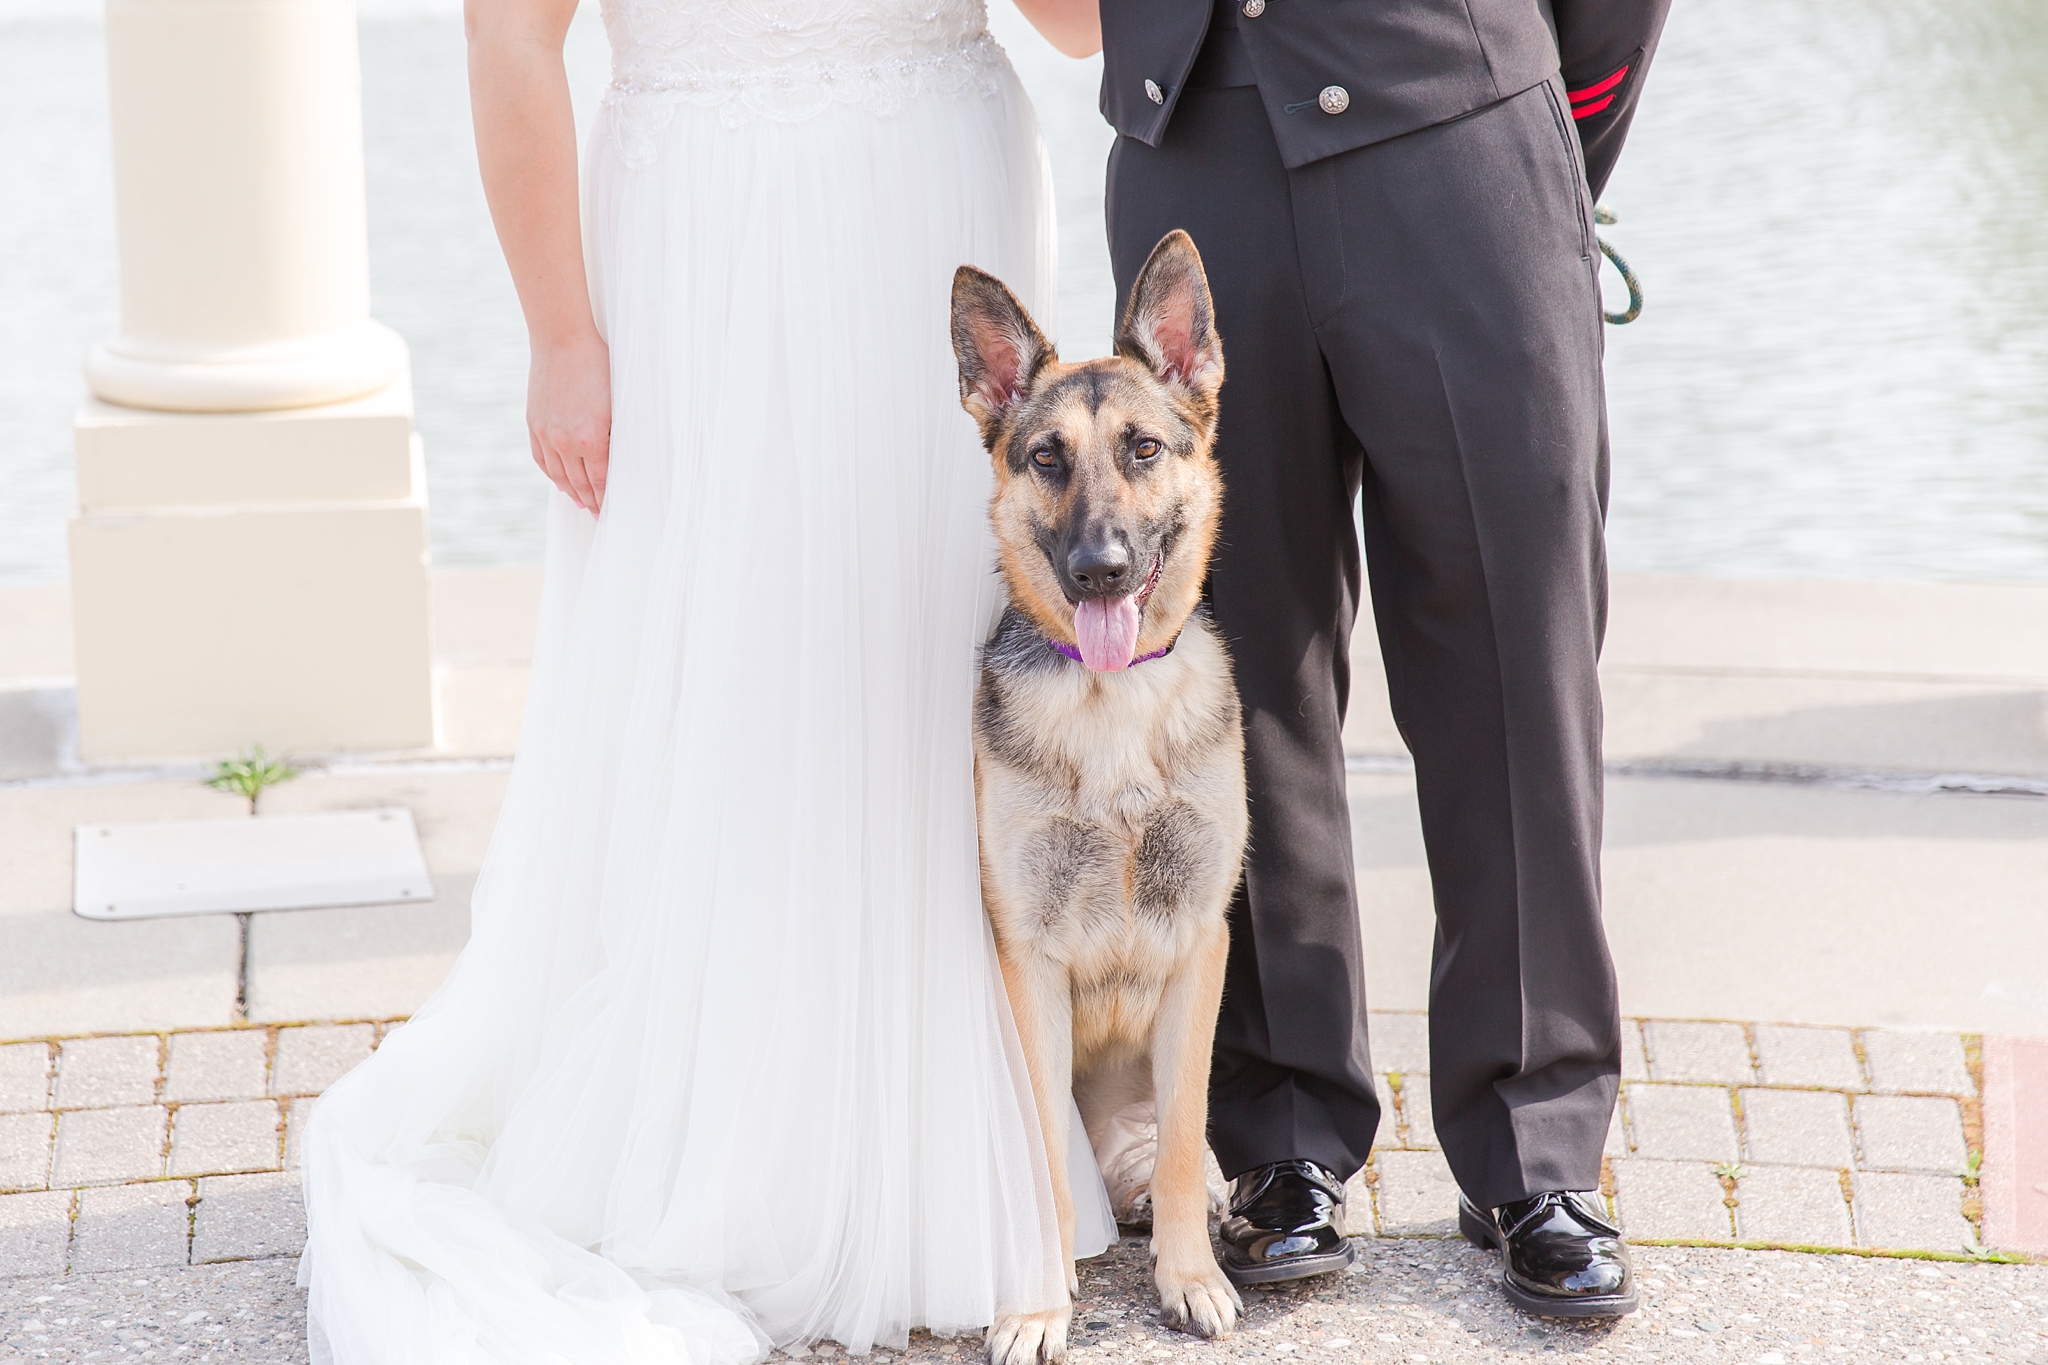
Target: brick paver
[[125, 1131], [99, 1073], [1924, 1063], [1918, 1211], [1389, 1132], [1634, 1065], [1657, 1199], [24, 1077], [132, 1227], [1681, 1122], [105, 1146], [232, 1064], [241, 1217], [311, 1058], [35, 1232], [1417, 1113], [1617, 1132], [239, 1135], [1416, 1193], [1682, 1051], [1797, 1128], [25, 1150], [1400, 1042], [1357, 1217], [1792, 1055], [1910, 1133], [1792, 1205], [297, 1114]]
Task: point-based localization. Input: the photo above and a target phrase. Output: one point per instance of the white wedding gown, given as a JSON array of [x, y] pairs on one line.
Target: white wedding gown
[[727, 1060]]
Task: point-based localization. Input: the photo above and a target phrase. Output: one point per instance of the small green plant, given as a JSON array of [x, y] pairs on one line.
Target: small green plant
[[1730, 1171], [1973, 1169], [250, 774]]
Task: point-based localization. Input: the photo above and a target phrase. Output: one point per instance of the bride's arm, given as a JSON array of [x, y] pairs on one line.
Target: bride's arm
[[1072, 26], [526, 148]]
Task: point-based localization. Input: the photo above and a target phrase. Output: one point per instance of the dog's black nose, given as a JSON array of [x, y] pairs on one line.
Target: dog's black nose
[[1100, 568]]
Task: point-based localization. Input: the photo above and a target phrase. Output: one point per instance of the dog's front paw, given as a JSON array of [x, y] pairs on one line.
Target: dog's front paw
[[1198, 1299], [1030, 1338]]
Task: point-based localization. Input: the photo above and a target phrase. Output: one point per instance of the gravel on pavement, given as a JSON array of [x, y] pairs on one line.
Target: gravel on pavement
[[1408, 1300]]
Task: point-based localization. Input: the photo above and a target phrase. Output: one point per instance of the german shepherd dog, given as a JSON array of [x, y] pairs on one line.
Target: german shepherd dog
[[1109, 751]]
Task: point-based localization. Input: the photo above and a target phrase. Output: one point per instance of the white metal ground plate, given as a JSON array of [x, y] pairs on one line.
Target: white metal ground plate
[[270, 862]]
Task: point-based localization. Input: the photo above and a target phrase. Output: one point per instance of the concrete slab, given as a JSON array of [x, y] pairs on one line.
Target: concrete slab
[[1863, 675], [35, 631], [35, 854], [485, 616], [376, 962], [61, 974], [1835, 721], [38, 729], [1734, 900], [1942, 630], [481, 709]]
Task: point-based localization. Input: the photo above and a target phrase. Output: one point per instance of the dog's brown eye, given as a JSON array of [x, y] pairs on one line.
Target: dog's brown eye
[[1044, 458], [1148, 448]]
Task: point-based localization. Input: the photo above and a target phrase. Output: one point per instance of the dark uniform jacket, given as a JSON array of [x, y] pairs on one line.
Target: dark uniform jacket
[[1339, 74]]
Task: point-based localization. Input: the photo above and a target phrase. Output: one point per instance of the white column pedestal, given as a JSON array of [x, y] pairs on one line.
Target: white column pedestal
[[246, 578]]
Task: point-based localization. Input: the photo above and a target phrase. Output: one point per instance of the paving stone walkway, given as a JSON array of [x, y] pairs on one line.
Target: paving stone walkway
[[143, 1151]]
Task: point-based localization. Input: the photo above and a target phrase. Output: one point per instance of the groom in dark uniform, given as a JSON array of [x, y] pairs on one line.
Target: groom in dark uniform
[[1394, 200]]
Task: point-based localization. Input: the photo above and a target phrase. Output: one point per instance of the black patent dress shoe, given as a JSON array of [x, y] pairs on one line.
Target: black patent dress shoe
[[1283, 1224], [1560, 1257]]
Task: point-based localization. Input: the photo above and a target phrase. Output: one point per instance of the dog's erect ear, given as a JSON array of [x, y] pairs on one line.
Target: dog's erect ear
[[999, 348], [1171, 324]]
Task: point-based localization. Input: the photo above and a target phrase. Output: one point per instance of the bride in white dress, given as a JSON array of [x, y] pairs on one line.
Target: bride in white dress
[[727, 1061]]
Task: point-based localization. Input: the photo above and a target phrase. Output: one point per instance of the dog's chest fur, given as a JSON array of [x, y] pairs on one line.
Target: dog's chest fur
[[1112, 813]]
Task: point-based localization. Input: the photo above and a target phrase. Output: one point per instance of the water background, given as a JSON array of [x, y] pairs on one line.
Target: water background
[[1839, 209]]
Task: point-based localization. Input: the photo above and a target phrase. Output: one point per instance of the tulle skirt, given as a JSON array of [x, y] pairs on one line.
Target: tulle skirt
[[727, 1059]]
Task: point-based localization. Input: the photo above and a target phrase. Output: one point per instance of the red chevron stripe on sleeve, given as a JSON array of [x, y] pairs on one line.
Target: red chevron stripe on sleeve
[[1580, 111], [1579, 97]]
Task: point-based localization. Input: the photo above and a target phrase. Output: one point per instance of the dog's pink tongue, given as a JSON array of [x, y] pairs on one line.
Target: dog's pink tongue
[[1107, 630]]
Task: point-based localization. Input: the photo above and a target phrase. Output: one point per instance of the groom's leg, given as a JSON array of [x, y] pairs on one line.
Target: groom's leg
[[1452, 277], [1291, 1077]]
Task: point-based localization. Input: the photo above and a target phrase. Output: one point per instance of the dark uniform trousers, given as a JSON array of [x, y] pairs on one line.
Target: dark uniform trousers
[[1411, 327]]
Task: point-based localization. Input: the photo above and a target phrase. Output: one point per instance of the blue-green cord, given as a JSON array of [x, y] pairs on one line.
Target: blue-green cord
[[1605, 215]]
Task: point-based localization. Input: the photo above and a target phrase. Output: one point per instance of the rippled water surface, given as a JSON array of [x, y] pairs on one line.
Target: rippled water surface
[[1839, 209]]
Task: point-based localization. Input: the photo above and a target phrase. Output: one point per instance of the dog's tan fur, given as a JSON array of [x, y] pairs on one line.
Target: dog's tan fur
[[1112, 805]]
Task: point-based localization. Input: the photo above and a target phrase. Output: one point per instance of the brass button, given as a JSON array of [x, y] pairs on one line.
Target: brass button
[[1335, 99], [1153, 92], [1254, 8]]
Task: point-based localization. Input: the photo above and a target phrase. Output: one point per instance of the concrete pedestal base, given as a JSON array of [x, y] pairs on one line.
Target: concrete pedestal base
[[251, 578]]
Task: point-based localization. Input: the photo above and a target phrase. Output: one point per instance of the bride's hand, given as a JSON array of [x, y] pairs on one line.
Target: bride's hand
[[569, 416]]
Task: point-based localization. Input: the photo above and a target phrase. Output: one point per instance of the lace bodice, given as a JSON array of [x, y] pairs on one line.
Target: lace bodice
[[789, 60]]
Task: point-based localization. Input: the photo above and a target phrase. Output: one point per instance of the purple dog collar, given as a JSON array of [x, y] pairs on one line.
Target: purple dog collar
[[1075, 654]]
